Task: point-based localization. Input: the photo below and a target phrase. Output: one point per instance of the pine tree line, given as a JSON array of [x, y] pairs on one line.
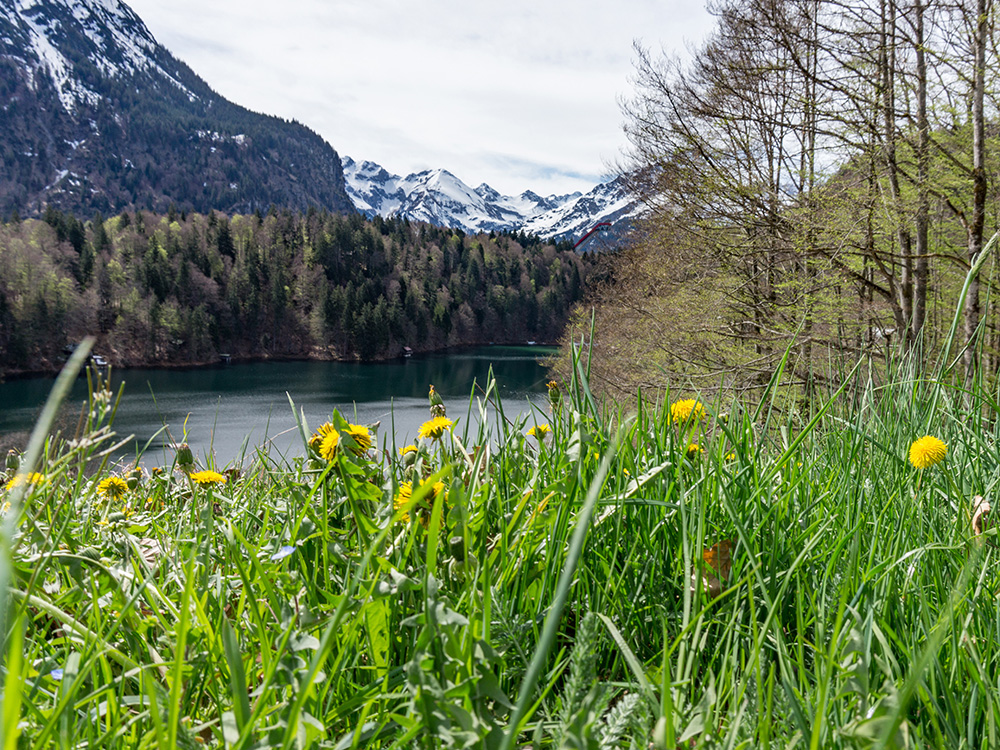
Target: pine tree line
[[183, 288]]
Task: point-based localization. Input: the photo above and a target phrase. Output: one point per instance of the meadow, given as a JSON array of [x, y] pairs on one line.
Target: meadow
[[756, 573]]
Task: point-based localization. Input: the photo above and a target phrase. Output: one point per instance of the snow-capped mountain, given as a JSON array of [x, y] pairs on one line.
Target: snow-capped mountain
[[607, 202], [55, 33], [98, 116], [439, 197]]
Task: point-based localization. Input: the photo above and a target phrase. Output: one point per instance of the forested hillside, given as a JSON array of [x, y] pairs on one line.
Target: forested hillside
[[821, 179], [179, 289]]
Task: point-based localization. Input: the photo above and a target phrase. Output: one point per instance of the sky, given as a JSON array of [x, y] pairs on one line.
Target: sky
[[520, 94]]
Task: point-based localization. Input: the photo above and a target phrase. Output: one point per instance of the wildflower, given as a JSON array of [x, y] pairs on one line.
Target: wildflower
[[730, 456], [539, 431], [113, 488], [208, 477], [185, 458], [694, 450], [317, 439], [555, 395], [282, 553], [434, 428], [402, 499], [33, 478], [361, 436], [927, 451], [405, 496], [407, 449], [437, 403], [688, 409], [436, 489], [328, 446]]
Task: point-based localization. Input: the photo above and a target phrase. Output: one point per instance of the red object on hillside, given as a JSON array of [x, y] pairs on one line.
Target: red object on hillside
[[602, 226]]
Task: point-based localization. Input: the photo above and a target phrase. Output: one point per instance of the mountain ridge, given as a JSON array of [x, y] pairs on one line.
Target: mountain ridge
[[439, 197], [102, 117]]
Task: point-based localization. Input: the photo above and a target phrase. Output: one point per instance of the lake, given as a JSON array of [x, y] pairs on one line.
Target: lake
[[229, 410]]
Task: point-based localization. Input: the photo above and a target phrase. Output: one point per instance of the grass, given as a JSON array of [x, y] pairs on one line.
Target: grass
[[550, 593]]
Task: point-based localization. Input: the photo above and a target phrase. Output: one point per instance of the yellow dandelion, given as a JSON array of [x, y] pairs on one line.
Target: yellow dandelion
[[687, 410], [402, 499], [407, 449], [328, 446], [208, 477], [436, 489], [317, 439], [927, 451], [694, 450], [539, 431], [113, 488], [434, 428], [33, 478], [361, 436]]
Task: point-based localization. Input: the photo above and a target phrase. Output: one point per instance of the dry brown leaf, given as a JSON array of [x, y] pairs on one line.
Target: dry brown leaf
[[980, 515], [718, 561]]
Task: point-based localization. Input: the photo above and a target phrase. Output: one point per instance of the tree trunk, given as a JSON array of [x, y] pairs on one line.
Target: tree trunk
[[977, 218]]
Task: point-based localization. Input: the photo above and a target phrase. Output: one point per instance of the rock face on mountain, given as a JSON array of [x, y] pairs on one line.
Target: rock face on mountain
[[439, 197], [98, 116]]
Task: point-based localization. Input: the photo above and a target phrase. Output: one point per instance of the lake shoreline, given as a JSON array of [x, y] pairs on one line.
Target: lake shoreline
[[53, 372]]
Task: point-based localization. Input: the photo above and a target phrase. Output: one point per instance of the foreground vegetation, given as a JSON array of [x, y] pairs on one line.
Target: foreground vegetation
[[693, 574]]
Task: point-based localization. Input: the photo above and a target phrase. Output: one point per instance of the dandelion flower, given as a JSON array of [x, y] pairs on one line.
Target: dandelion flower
[[539, 431], [208, 478], [407, 449], [361, 436], [694, 450], [436, 490], [927, 451], [402, 499], [328, 446], [113, 488], [33, 478], [434, 428], [317, 439], [687, 410]]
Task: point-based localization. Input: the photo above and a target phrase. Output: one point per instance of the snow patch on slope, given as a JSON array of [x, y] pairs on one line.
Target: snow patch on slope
[[121, 44]]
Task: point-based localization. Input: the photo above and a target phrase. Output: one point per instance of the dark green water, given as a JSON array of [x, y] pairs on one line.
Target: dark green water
[[230, 409]]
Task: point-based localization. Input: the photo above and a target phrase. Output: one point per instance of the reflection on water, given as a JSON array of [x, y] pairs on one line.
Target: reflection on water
[[229, 410]]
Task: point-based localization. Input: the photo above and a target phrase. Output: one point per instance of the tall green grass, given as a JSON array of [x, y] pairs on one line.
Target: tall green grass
[[554, 594]]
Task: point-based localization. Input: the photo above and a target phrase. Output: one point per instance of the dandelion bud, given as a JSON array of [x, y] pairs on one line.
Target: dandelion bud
[[13, 461], [133, 478], [457, 544], [555, 395], [185, 458]]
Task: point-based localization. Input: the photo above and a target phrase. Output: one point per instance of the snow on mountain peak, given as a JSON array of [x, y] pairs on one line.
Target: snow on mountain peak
[[107, 32], [439, 197]]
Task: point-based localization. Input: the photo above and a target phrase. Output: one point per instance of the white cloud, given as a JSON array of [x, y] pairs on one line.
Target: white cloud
[[520, 94]]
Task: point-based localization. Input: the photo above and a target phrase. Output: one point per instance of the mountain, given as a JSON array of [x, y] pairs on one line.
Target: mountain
[[439, 197], [98, 116]]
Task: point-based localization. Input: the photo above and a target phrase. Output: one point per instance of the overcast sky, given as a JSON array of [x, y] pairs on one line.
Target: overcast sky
[[521, 94]]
